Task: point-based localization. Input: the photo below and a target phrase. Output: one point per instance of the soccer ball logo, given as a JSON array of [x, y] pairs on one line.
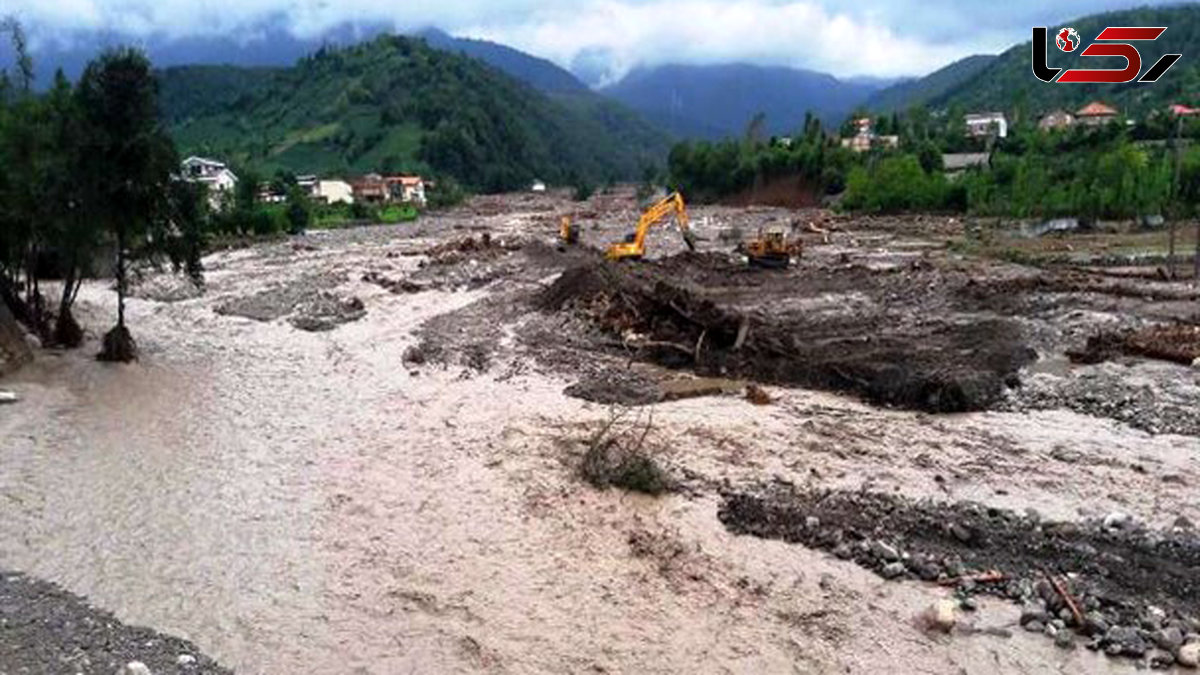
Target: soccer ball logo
[[1067, 39]]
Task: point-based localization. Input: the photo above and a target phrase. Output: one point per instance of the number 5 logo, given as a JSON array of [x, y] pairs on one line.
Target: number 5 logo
[[1133, 58]]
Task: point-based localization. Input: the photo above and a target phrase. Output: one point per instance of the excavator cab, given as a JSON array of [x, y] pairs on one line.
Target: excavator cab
[[634, 245]]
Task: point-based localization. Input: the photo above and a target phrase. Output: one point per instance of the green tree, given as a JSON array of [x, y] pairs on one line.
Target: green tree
[[299, 211], [127, 167]]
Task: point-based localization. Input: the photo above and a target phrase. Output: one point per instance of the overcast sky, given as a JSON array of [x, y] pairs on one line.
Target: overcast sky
[[860, 37]]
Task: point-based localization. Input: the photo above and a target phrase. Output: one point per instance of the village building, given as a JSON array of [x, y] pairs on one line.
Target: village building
[[1180, 110], [369, 189], [983, 125], [864, 138], [308, 185], [1095, 114], [537, 186], [214, 175], [1056, 121], [406, 189], [334, 192]]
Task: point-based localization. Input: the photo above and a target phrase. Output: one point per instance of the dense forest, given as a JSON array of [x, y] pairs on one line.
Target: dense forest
[[396, 104]]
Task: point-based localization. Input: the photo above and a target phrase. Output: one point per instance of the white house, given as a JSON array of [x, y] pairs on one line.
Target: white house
[[987, 124], [538, 186], [335, 192], [308, 185], [406, 189], [217, 177]]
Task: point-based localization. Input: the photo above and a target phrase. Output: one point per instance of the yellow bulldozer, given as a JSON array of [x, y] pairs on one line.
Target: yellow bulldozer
[[772, 250], [634, 246]]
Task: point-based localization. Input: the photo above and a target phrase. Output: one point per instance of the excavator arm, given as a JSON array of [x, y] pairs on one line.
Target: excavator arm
[[636, 248]]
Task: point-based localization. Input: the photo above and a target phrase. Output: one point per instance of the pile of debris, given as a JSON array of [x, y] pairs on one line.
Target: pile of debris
[[1125, 589], [469, 248], [938, 366], [1178, 343]]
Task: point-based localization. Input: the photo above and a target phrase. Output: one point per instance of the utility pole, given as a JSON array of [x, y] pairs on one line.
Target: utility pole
[[1175, 196]]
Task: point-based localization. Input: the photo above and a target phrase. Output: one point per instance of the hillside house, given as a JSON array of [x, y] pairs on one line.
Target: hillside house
[[406, 189], [1095, 114], [1056, 121], [370, 189], [214, 175], [1179, 110], [308, 185], [334, 192], [537, 186], [865, 138], [983, 125]]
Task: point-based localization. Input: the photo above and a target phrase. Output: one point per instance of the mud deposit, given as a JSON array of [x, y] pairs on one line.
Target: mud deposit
[[1128, 583], [943, 364]]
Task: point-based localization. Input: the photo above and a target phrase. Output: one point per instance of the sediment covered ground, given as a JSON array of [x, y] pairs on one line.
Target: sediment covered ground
[[361, 451]]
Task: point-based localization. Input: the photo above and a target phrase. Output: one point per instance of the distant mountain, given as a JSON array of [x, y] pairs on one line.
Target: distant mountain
[[1007, 81], [932, 87], [396, 104], [538, 72], [718, 101], [270, 43]]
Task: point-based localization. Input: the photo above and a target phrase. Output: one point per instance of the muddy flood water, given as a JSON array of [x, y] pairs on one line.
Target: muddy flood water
[[308, 502]]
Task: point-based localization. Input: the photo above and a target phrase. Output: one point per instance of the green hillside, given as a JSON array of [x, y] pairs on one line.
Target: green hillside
[[932, 87], [395, 104], [1008, 81]]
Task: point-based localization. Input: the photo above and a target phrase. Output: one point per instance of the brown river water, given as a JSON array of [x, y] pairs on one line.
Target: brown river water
[[303, 503]]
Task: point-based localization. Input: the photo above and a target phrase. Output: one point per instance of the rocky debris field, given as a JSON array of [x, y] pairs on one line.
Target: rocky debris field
[[910, 389], [44, 629], [1109, 584]]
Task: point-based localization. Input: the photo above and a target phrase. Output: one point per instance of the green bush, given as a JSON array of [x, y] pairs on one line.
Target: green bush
[[896, 184]]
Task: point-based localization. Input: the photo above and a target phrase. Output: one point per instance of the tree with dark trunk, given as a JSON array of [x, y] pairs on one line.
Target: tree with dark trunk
[[128, 167]]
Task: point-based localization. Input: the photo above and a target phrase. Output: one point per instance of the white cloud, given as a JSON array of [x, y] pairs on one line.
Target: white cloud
[[874, 37]]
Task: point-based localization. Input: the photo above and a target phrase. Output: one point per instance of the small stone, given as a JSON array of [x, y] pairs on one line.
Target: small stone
[[1035, 627], [1033, 612], [1095, 624], [1196, 364], [186, 660], [961, 533], [843, 551], [1184, 523], [1059, 624], [885, 551], [135, 668], [893, 570], [1128, 639], [1116, 520], [812, 522], [1169, 639], [1189, 655], [1051, 630], [8, 397], [1064, 640], [969, 604], [942, 616], [1161, 659]]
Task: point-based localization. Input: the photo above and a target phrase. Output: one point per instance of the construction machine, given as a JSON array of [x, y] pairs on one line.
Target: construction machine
[[568, 232], [634, 246], [772, 250]]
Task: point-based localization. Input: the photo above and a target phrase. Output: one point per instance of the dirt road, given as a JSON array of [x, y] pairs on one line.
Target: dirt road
[[317, 468]]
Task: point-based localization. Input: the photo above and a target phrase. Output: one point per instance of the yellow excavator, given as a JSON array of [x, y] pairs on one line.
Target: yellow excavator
[[634, 246], [568, 232]]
